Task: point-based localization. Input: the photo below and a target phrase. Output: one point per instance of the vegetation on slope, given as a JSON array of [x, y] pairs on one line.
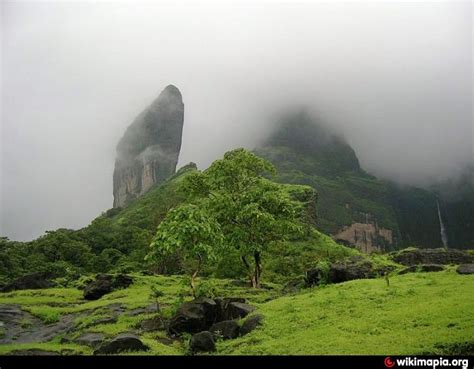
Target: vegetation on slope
[[417, 313], [117, 240], [304, 151]]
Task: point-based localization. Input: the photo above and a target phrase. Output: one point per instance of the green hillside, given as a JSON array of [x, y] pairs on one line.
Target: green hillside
[[117, 240], [417, 313], [306, 152]]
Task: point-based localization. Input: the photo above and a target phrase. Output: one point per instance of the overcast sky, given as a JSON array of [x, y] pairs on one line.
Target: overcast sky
[[395, 77]]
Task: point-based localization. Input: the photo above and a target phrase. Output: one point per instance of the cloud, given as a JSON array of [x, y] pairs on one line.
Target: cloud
[[395, 77]]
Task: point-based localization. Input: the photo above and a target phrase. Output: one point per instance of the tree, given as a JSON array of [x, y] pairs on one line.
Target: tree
[[251, 210], [190, 230]]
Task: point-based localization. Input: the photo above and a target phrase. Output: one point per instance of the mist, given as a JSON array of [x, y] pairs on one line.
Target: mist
[[394, 77]]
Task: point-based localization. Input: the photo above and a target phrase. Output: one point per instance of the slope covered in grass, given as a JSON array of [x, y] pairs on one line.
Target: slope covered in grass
[[417, 313]]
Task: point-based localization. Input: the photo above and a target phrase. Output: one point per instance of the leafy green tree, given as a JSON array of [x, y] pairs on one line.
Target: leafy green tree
[[191, 231], [251, 210]]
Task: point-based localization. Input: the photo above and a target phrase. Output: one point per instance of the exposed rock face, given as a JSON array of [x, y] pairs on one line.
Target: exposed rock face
[[367, 237], [354, 268], [148, 152], [432, 256], [422, 268]]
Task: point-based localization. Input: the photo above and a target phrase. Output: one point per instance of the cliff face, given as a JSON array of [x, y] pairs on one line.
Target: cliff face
[[352, 205], [367, 237], [356, 208], [148, 151]]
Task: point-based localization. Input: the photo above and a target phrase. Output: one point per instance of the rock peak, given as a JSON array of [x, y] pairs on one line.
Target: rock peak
[[148, 151], [172, 89]]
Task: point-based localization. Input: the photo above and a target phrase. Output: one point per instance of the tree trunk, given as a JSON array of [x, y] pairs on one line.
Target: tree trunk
[[193, 277], [249, 271], [258, 270]]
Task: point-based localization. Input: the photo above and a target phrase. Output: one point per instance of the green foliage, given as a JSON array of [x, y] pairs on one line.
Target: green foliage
[[418, 313], [118, 240], [290, 259], [46, 314], [207, 288], [251, 211], [324, 268], [190, 230]]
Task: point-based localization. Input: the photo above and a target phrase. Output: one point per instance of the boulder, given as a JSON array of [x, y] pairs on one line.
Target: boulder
[[342, 272], [422, 268], [223, 306], [93, 340], [200, 314], [194, 316], [237, 310], [153, 324], [122, 281], [202, 342], [250, 324], [105, 283], [465, 269], [32, 281], [122, 343], [227, 329], [354, 268], [414, 256]]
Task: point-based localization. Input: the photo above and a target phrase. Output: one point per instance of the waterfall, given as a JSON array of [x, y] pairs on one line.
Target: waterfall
[[442, 229]]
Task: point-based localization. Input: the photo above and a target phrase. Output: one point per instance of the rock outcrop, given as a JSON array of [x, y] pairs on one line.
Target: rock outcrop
[[366, 237], [343, 271], [202, 313], [465, 269], [148, 152], [422, 268], [414, 256]]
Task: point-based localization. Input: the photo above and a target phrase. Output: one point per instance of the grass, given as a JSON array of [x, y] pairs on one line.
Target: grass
[[48, 346], [47, 314], [416, 314], [50, 304]]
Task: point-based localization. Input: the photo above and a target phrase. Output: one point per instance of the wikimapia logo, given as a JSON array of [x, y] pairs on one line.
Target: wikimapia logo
[[426, 362]]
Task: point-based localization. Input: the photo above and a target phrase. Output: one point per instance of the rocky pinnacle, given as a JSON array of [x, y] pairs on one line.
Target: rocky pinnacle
[[148, 151]]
